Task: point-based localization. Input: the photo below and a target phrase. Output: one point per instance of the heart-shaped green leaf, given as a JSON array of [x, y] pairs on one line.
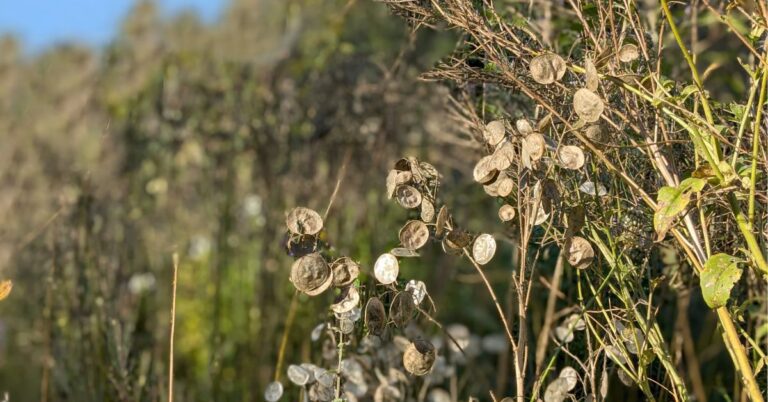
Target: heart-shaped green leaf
[[671, 202], [720, 273]]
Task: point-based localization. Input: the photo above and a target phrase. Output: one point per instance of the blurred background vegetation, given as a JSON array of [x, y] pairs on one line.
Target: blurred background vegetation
[[180, 136]]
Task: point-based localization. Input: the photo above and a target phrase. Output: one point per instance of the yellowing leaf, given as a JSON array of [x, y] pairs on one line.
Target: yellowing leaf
[[672, 201], [720, 273], [5, 288]]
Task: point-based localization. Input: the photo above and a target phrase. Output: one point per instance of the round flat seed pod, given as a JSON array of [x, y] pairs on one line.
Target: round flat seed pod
[[524, 126], [550, 195], [506, 213], [345, 271], [402, 309], [534, 145], [298, 375], [386, 269], [628, 53], [492, 189], [402, 252], [556, 391], [494, 132], [442, 220], [575, 219], [505, 186], [417, 289], [414, 235], [588, 105], [320, 392], [483, 248], [304, 221], [395, 178], [375, 316], [590, 188], [387, 393], [579, 252], [571, 157], [311, 274], [348, 299], [458, 239], [408, 196], [594, 132], [403, 164], [427, 211], [419, 357], [547, 68], [353, 315], [317, 332], [503, 156], [273, 392], [571, 376], [484, 171], [564, 334]]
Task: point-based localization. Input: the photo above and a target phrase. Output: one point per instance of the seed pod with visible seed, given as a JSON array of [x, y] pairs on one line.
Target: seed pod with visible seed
[[547, 68], [506, 213], [483, 249], [484, 171], [304, 221], [628, 53], [345, 271], [588, 105], [414, 235], [534, 145], [419, 357], [396, 178], [408, 196], [458, 239], [579, 252], [401, 309], [375, 316], [346, 300], [311, 274], [494, 132], [505, 186], [386, 269], [524, 126]]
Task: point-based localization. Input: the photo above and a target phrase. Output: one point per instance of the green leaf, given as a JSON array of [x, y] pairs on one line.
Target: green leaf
[[720, 273], [671, 202]]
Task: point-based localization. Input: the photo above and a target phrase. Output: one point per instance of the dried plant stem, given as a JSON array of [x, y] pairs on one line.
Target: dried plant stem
[[284, 338], [543, 341], [173, 326]]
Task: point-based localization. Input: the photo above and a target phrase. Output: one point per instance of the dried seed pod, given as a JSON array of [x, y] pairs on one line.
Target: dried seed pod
[[320, 392], [591, 78], [408, 196], [298, 375], [579, 252], [427, 211], [345, 271], [403, 252], [564, 334], [311, 274], [494, 132], [304, 221], [492, 189], [505, 186], [484, 171], [449, 248], [534, 145], [628, 53], [506, 213], [348, 299], [428, 170], [419, 357], [594, 132], [503, 156], [402, 309], [458, 239], [541, 213], [588, 105], [571, 157], [299, 246], [442, 220], [386, 393], [549, 194], [571, 377], [483, 249], [417, 289], [386, 269], [557, 390], [395, 178], [574, 219], [523, 126], [375, 316], [414, 235], [273, 392], [547, 68], [589, 187]]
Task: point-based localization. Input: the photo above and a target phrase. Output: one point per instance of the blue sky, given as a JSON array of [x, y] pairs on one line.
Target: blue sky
[[42, 23]]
